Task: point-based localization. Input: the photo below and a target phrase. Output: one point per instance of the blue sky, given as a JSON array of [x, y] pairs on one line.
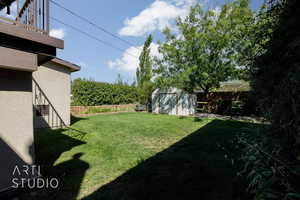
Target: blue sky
[[131, 20]]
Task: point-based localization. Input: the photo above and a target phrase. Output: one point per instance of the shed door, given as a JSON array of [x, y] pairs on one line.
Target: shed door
[[168, 103]]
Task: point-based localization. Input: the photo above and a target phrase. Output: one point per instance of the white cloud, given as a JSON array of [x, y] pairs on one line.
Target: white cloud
[[130, 63], [58, 33], [157, 16]]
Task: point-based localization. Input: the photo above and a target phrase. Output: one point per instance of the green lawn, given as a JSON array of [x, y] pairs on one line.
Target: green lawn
[[140, 156]]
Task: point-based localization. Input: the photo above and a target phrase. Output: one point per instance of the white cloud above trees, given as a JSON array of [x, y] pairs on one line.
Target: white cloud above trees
[[130, 59], [157, 16]]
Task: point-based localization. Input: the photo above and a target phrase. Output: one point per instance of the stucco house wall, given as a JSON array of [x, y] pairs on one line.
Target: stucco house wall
[[173, 101], [16, 123], [55, 81], [17, 112]]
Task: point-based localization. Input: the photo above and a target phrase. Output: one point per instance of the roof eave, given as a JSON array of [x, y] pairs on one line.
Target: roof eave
[[73, 67]]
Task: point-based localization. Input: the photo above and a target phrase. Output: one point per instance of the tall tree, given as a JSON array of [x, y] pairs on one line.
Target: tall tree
[[208, 48], [144, 72], [275, 73], [276, 87]]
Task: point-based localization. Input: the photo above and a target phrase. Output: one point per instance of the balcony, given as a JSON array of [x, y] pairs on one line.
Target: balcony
[[24, 26], [32, 15]]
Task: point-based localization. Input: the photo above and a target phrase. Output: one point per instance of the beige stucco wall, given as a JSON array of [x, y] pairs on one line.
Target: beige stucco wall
[[55, 82], [16, 123]]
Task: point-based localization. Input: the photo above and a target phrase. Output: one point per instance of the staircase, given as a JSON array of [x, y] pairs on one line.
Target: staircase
[[45, 114]]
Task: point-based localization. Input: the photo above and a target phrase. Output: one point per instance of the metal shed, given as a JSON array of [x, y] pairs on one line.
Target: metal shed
[[173, 101]]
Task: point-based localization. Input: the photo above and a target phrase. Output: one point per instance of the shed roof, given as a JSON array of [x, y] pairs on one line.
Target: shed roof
[[73, 67], [231, 86]]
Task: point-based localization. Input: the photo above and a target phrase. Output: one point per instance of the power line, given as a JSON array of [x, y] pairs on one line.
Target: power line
[[92, 23], [89, 35], [92, 36]]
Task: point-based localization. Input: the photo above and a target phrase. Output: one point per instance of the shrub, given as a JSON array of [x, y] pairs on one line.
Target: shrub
[[272, 157], [92, 93], [272, 173]]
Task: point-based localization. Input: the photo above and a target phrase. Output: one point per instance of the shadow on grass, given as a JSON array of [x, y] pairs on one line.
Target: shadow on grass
[[75, 119], [50, 145], [197, 119], [193, 168]]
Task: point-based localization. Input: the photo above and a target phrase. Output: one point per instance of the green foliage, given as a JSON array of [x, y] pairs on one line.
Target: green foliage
[[272, 157], [144, 73], [92, 93], [270, 169], [276, 72], [209, 49]]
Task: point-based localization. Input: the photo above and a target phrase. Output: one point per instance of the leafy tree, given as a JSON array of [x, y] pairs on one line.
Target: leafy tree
[[208, 50], [144, 73], [275, 73], [272, 158]]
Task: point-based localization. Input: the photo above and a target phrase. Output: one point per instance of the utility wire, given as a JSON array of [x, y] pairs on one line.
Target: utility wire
[[92, 23], [87, 34], [92, 36]]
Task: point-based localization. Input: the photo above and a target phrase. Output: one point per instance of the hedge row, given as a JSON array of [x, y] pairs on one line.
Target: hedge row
[[92, 93]]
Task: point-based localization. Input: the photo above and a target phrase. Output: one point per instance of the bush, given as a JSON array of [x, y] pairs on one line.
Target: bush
[[272, 157], [272, 172], [276, 72], [92, 93]]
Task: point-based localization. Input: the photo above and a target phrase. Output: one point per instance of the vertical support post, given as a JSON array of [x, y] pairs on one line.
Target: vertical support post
[[18, 10], [34, 93], [52, 117], [43, 14], [47, 16], [40, 14], [35, 13]]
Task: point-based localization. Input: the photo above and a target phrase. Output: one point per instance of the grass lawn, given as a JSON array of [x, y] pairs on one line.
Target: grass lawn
[[140, 156]]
